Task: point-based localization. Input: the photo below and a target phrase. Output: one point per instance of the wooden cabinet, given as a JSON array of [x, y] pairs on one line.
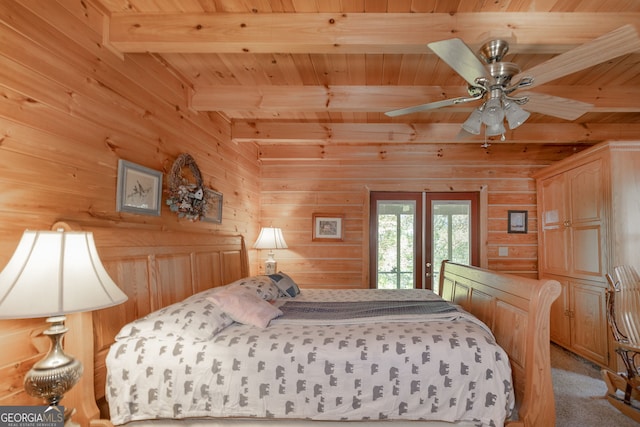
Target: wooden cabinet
[[572, 221], [560, 330], [578, 319], [589, 329], [588, 223]]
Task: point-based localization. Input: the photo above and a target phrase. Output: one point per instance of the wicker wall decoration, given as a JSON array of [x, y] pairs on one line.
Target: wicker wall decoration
[[186, 198]]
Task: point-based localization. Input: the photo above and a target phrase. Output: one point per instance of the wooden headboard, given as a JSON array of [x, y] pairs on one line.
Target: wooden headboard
[[155, 269], [517, 310]]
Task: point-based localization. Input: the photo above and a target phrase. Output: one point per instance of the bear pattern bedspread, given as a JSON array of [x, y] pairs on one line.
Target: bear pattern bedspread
[[444, 366]]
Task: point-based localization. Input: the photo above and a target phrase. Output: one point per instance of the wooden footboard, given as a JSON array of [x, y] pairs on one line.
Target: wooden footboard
[[517, 311]]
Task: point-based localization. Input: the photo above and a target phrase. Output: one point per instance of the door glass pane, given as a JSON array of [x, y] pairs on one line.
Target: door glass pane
[[451, 233], [396, 244]]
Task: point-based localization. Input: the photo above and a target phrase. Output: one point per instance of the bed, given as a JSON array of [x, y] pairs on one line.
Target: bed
[[349, 355], [516, 310]]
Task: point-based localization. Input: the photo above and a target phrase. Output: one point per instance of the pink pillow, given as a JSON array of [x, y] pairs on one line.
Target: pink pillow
[[244, 306]]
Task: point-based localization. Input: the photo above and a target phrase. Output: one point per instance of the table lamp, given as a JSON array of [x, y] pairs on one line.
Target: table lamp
[[53, 273], [270, 238]]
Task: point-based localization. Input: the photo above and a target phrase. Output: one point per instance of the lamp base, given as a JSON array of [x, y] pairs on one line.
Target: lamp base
[[57, 373], [270, 267]]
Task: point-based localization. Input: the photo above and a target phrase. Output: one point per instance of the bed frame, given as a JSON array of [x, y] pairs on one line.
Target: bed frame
[[517, 310], [158, 268]]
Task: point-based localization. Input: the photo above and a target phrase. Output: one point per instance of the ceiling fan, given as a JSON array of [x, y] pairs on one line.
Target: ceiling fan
[[495, 81]]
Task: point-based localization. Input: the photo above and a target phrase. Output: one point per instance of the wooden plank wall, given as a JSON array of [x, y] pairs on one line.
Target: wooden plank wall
[[298, 181], [69, 109]]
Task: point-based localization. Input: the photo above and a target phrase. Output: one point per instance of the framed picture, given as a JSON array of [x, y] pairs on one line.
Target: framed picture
[[213, 207], [518, 221], [139, 189], [327, 228]]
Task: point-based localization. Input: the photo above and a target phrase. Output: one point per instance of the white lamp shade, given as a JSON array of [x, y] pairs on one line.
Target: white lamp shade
[[493, 130], [52, 273], [492, 114], [473, 123], [515, 115], [270, 238]]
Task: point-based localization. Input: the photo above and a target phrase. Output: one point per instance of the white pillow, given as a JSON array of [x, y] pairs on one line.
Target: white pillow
[[196, 318], [244, 306], [262, 286]]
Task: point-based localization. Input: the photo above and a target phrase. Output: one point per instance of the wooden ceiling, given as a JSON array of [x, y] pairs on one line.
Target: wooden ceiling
[[325, 71]]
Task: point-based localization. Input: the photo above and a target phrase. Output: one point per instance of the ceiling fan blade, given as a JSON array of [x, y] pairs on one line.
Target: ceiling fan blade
[[461, 58], [431, 106], [564, 108], [618, 42]]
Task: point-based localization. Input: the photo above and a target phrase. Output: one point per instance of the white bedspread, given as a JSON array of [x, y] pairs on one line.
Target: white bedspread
[[443, 369]]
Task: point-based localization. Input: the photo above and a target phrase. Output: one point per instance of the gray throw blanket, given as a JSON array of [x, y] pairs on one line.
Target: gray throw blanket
[[362, 311]]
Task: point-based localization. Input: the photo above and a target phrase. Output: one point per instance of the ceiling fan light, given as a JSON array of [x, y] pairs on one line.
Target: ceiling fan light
[[494, 130], [492, 113], [515, 115], [473, 123]]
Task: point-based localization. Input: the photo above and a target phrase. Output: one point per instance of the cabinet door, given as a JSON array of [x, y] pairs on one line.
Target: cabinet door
[[588, 321], [560, 327], [585, 221], [554, 237]]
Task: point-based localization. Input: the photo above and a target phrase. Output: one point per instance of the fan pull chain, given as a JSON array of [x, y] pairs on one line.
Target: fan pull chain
[[486, 143]]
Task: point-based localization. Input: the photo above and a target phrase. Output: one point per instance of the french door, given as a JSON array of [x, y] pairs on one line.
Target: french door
[[395, 240], [412, 233]]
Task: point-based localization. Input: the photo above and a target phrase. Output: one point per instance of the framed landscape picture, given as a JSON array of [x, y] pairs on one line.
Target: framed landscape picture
[[327, 228]]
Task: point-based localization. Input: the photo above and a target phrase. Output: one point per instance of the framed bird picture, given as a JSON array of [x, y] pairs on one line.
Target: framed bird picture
[[139, 189]]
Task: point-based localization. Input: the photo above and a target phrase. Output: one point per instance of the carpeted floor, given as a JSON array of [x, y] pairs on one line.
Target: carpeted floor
[[579, 393]]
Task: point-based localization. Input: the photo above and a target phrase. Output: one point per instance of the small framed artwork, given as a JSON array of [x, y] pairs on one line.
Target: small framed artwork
[[213, 207], [327, 228], [139, 189], [518, 221]]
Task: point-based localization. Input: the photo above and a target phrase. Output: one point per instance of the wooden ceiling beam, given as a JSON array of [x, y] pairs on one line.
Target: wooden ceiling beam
[[436, 154], [308, 33], [384, 98], [390, 133]]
